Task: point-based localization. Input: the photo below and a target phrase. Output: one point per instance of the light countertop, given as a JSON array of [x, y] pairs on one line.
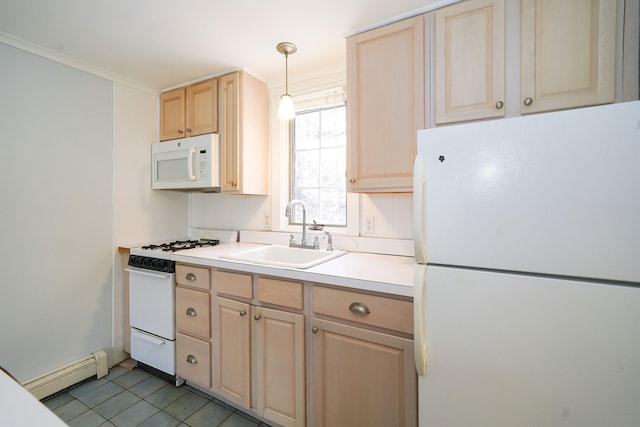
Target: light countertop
[[390, 274], [18, 407]]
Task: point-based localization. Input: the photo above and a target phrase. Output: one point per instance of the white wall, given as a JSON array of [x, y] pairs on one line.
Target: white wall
[[75, 179], [141, 215], [56, 213]]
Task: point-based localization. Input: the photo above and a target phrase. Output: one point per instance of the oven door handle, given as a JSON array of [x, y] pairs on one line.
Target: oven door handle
[[148, 273], [151, 339]]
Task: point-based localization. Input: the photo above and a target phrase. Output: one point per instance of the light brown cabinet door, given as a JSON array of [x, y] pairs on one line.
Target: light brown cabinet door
[[278, 364], [230, 132], [193, 312], [362, 378], [232, 351], [469, 61], [568, 54], [193, 360], [244, 134], [385, 108], [172, 114], [202, 108]]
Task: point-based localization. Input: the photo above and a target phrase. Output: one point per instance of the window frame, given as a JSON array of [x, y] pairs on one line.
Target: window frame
[[292, 133]]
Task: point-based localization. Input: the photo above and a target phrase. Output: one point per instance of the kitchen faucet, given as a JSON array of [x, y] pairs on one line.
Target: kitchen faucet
[[303, 242]]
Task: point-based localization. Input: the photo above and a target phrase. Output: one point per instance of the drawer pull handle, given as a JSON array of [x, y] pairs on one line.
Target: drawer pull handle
[[257, 316], [191, 312], [243, 312], [192, 359], [315, 329], [528, 101], [191, 277], [359, 308]]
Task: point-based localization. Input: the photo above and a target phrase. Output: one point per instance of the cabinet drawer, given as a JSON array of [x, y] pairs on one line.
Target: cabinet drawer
[[193, 360], [280, 292], [236, 284], [371, 310], [196, 277], [193, 312]]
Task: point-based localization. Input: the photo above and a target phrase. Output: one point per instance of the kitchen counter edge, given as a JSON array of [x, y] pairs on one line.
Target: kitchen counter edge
[[390, 274]]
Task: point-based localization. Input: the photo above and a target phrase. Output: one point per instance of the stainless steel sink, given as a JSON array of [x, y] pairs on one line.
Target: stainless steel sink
[[284, 256]]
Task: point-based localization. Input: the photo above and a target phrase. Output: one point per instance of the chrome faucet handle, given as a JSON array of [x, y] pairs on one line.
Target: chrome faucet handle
[[292, 239], [316, 243]]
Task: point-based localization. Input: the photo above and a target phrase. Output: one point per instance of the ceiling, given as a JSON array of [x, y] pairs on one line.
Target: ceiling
[[164, 43]]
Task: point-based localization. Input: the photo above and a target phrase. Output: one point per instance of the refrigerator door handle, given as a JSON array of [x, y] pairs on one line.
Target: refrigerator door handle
[[418, 210], [419, 320]]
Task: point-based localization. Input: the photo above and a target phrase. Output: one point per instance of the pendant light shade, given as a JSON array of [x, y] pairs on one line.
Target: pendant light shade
[[286, 110]]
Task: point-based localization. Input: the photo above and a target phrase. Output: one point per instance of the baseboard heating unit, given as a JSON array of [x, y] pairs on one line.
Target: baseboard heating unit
[[70, 374]]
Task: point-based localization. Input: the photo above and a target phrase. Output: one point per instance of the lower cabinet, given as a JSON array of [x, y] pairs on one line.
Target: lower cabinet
[[362, 376], [244, 337], [259, 352], [193, 360], [279, 369], [193, 325], [232, 351]]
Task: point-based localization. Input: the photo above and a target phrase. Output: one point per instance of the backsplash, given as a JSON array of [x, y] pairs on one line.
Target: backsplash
[[391, 213]]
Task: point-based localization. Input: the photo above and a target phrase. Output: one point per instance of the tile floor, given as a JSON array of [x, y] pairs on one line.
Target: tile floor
[[136, 398]]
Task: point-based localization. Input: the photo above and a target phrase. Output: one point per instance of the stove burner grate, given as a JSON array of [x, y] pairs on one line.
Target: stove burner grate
[[178, 245]]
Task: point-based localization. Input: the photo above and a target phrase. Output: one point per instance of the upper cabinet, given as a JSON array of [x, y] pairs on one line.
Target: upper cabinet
[[385, 106], [469, 61], [172, 114], [189, 111], [244, 133], [568, 54], [496, 58], [236, 106]]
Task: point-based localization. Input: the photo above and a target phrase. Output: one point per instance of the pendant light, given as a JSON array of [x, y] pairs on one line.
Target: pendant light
[[286, 110]]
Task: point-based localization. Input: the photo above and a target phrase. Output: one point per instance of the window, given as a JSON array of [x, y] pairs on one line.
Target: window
[[318, 164]]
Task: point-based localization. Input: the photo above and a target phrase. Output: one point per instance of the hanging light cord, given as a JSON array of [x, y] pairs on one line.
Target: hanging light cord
[[286, 73]]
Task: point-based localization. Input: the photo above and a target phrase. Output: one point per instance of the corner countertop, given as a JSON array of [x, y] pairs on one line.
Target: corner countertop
[[391, 274]]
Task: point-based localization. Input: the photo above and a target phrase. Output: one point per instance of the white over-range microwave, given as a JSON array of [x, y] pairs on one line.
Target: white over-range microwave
[[191, 164]]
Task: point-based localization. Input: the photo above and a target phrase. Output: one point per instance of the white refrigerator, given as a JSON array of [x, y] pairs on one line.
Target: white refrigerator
[[527, 278]]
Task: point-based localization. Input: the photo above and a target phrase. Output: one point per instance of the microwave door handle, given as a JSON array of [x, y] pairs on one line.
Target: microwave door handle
[[192, 159]]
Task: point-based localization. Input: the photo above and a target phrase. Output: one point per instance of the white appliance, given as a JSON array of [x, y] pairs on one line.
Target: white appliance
[[186, 164], [527, 293], [152, 317]]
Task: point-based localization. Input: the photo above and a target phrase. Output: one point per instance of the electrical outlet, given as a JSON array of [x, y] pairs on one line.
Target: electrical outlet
[[368, 225], [267, 221]]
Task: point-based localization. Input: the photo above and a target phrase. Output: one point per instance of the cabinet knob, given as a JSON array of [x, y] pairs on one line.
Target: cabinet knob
[[191, 277], [243, 312], [180, 131], [188, 129], [352, 180], [233, 184], [359, 308], [191, 312], [528, 101], [257, 316], [499, 105], [315, 329], [192, 359]]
